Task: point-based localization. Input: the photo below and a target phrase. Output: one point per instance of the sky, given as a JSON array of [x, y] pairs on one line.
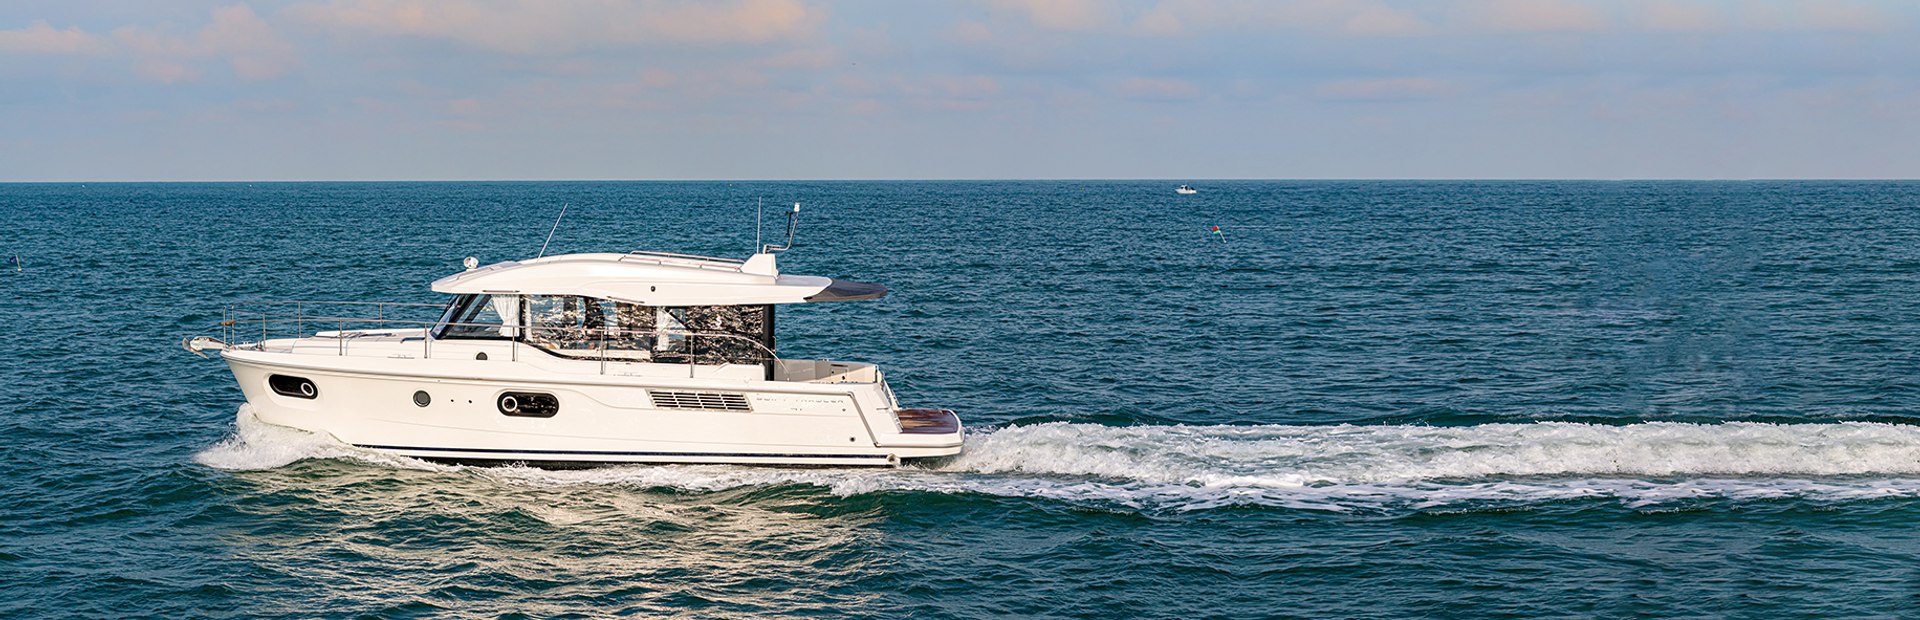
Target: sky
[[108, 90]]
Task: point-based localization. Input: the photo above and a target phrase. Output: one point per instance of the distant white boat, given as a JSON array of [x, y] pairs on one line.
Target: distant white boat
[[1185, 189]]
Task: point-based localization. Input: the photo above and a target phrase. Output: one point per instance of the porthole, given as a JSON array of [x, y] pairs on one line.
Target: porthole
[[422, 398], [482, 356], [297, 387], [528, 404]]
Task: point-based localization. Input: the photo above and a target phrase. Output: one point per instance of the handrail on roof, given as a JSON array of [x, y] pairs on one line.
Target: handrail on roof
[[308, 302], [679, 255]]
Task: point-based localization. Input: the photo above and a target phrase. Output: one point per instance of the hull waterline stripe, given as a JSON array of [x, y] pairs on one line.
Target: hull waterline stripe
[[605, 453]]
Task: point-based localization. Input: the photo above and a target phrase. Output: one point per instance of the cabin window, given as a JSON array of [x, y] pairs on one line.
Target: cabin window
[[583, 327], [735, 334], [479, 317], [566, 323]]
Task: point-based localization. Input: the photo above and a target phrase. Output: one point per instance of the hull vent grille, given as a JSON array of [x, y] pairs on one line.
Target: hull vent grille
[[705, 401]]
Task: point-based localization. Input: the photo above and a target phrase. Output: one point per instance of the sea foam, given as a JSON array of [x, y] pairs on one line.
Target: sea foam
[[1311, 467]]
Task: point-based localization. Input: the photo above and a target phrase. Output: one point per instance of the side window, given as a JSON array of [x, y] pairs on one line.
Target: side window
[[582, 327], [732, 334], [565, 322]]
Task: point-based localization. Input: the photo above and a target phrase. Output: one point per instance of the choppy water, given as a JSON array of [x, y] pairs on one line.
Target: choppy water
[[1368, 399]]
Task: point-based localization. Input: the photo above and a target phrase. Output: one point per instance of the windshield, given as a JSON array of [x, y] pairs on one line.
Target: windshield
[[479, 317]]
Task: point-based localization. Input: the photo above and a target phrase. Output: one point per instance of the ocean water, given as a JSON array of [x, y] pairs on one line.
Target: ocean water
[[1365, 399]]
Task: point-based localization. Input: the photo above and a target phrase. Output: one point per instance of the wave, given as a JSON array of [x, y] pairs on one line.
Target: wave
[[1309, 467]]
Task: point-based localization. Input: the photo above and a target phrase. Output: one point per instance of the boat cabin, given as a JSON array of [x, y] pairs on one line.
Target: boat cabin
[[638, 307], [581, 327]]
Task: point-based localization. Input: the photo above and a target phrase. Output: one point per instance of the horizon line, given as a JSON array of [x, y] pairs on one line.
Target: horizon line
[[971, 179]]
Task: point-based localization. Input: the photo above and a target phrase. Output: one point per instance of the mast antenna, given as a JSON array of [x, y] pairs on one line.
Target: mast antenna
[[793, 220], [556, 227], [756, 221]]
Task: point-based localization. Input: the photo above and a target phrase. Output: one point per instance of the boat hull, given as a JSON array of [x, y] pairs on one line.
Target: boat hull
[[457, 413]]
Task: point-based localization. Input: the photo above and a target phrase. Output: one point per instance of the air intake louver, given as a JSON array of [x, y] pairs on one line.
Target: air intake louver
[[709, 401]]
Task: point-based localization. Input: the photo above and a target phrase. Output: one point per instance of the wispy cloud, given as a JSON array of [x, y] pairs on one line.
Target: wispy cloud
[[1697, 16], [702, 88], [1532, 16], [254, 49], [561, 26], [1068, 15], [43, 38], [1350, 17], [1384, 89]]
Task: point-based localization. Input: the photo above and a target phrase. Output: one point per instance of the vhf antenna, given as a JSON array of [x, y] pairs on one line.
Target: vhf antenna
[[756, 222], [793, 220], [556, 227]]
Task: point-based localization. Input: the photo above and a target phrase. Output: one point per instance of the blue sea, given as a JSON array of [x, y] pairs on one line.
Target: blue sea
[[1358, 399]]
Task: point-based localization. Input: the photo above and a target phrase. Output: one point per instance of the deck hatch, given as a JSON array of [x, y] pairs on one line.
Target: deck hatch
[[704, 401]]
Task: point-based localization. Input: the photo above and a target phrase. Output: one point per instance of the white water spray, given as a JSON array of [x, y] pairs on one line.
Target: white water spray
[[1315, 467]]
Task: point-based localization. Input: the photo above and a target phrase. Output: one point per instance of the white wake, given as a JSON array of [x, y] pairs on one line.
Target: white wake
[[1314, 467]]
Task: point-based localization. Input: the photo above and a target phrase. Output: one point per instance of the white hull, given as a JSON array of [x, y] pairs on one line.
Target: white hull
[[608, 413]]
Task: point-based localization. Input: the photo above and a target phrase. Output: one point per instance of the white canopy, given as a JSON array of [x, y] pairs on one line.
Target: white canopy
[[655, 279]]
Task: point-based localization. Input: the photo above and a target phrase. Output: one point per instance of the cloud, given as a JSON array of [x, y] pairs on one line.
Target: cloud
[[1695, 16], [945, 92], [250, 46], [1368, 18], [1352, 17], [1387, 89], [803, 58], [969, 31], [561, 26], [1671, 16], [166, 71], [1069, 15], [42, 38], [253, 49], [1382, 21], [1525, 16], [1842, 16]]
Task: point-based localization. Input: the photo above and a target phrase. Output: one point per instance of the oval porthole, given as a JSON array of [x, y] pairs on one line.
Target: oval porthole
[[528, 404], [297, 387], [422, 398]]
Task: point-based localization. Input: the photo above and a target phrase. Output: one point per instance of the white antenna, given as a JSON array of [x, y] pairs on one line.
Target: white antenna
[[756, 222], [793, 220], [556, 226]]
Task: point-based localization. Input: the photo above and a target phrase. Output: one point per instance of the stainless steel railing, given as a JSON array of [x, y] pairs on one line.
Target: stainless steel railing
[[652, 253], [266, 314]]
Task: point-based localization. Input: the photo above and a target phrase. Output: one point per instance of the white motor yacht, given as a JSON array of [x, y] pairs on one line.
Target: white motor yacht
[[1185, 189], [580, 359]]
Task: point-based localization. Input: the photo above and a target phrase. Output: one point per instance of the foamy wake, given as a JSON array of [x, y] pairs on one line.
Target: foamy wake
[[1310, 467], [257, 445]]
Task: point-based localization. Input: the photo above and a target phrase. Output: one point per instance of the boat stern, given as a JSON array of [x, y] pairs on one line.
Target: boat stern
[[923, 433]]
